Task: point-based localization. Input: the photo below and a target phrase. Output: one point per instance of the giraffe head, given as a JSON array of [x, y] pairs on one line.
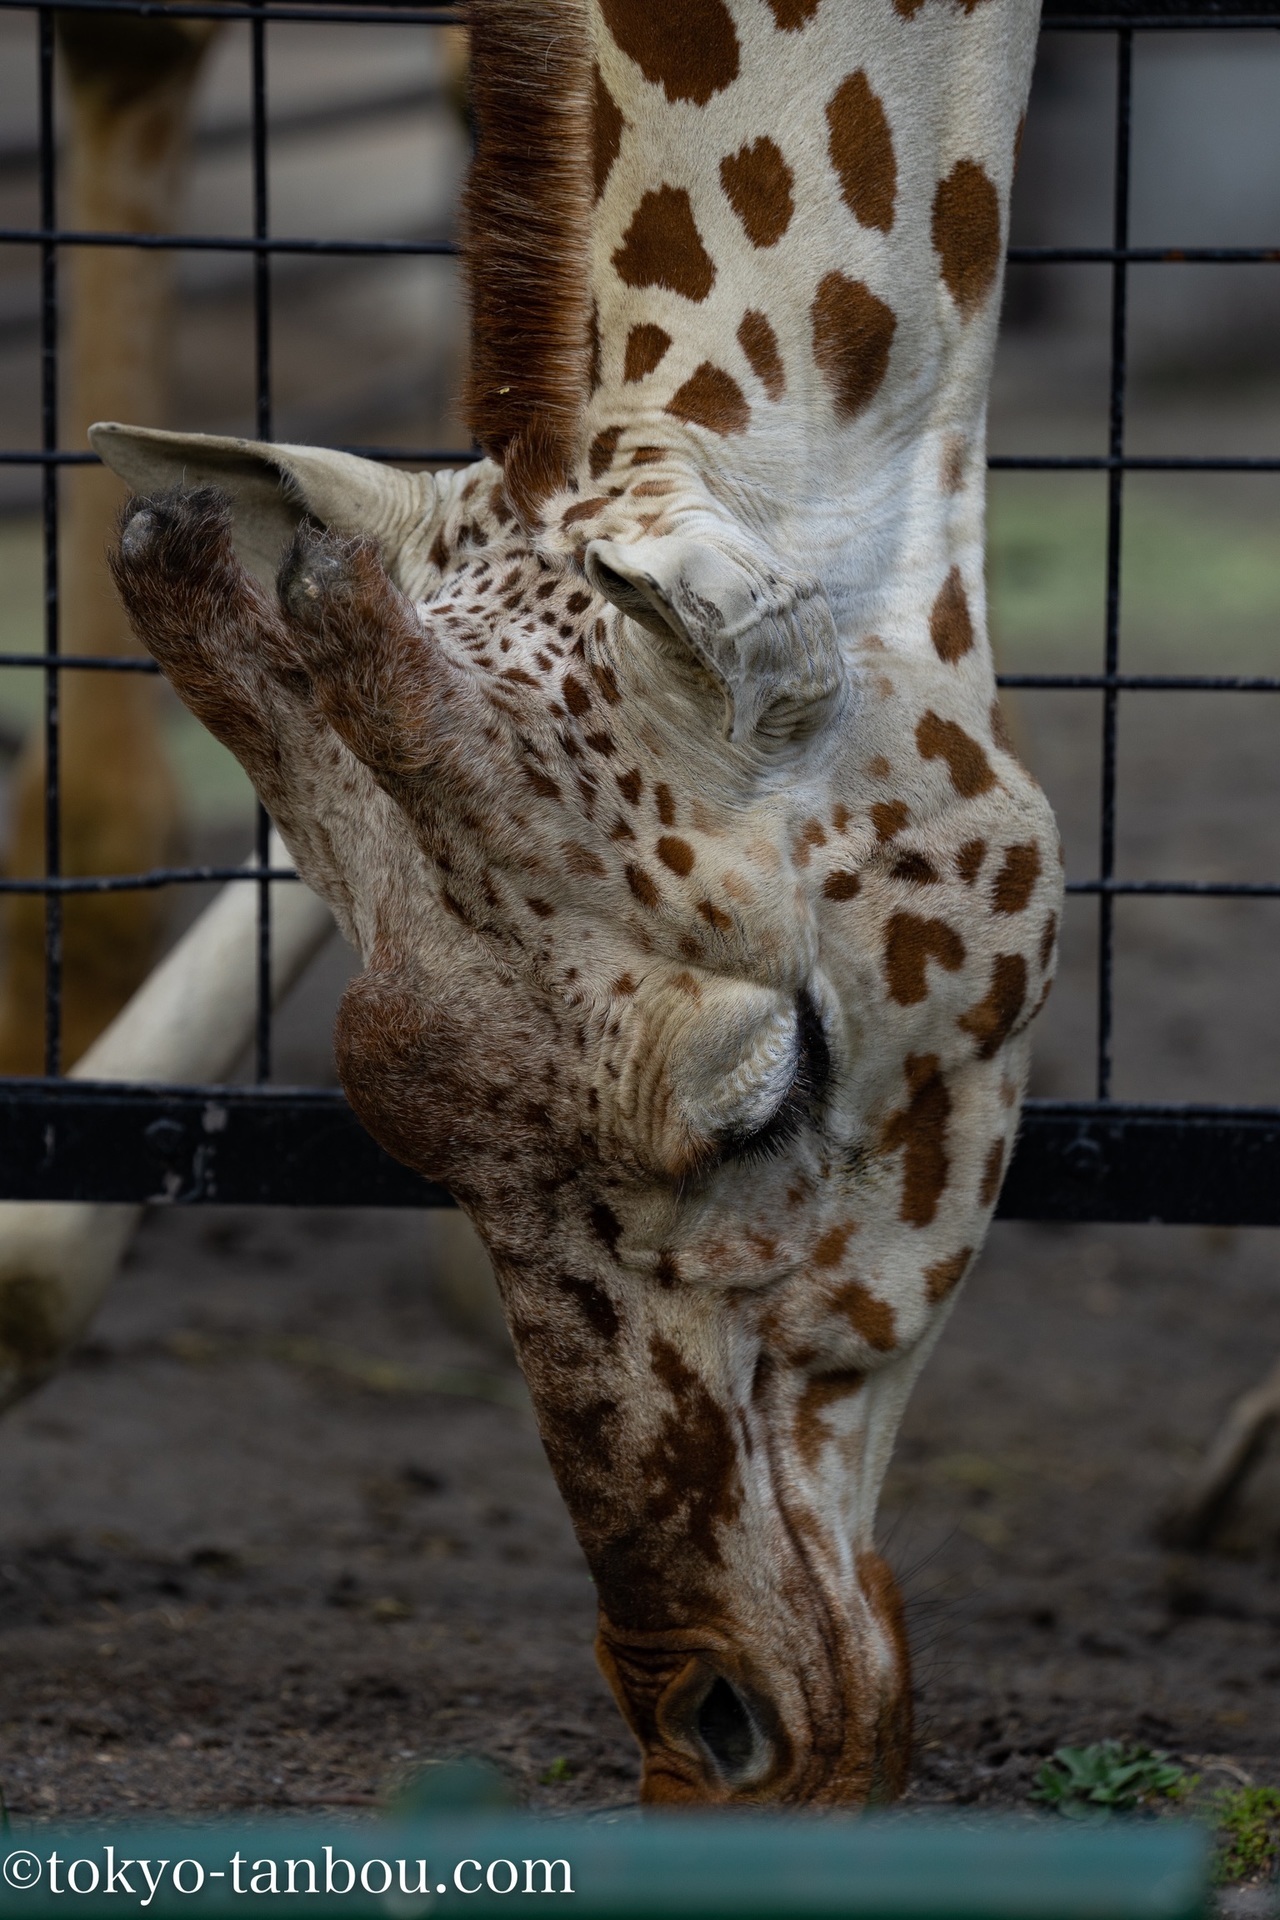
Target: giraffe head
[[708, 1004]]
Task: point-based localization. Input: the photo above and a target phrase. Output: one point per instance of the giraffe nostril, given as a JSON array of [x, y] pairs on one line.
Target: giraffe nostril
[[729, 1732]]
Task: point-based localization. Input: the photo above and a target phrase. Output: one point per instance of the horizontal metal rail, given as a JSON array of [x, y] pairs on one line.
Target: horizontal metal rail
[[283, 1146]]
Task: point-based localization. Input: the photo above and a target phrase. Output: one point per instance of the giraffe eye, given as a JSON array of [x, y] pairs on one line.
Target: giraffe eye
[[802, 1101]]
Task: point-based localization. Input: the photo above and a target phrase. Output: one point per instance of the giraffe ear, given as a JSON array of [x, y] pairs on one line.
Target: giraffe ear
[[273, 488], [767, 640]]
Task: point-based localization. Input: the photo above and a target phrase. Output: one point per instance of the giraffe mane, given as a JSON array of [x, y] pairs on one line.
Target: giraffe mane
[[527, 217]]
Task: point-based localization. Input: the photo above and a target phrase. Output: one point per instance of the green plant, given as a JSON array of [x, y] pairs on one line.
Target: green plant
[[1248, 1824], [557, 1773], [1091, 1783]]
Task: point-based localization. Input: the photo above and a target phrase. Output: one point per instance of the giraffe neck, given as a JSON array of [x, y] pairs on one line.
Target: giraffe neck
[[793, 253]]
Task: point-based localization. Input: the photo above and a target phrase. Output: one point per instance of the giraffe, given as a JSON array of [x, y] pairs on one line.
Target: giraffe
[[654, 767]]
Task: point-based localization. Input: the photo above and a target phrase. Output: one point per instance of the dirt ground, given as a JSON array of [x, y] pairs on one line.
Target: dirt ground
[[280, 1531]]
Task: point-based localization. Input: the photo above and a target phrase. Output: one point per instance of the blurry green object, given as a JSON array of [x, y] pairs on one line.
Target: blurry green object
[[454, 1786], [1091, 1783], [664, 1866]]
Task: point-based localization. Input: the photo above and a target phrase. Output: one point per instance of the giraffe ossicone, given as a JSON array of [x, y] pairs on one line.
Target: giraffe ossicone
[[654, 767]]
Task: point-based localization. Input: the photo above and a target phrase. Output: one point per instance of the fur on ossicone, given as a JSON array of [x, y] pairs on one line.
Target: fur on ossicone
[[527, 216]]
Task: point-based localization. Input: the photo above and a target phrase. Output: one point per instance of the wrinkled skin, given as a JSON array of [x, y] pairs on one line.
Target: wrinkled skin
[[723, 1056]]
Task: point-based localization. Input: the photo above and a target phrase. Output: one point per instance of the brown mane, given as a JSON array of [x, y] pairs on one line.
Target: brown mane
[[527, 213]]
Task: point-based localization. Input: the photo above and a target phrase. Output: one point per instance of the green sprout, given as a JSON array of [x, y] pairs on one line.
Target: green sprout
[[557, 1773], [1091, 1783], [1248, 1823]]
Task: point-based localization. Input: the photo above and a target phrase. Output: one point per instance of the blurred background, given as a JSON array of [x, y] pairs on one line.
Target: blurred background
[[368, 142]]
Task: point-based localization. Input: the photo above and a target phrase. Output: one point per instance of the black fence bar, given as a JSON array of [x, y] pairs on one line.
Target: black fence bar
[[49, 435], [244, 1146], [262, 416]]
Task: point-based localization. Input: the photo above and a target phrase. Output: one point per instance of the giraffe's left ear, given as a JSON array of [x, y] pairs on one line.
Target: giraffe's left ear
[[768, 640]]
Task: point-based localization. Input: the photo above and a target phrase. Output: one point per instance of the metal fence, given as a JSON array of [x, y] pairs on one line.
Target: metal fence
[[1098, 1159]]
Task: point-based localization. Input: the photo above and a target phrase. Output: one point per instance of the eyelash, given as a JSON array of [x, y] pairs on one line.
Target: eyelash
[[801, 1102]]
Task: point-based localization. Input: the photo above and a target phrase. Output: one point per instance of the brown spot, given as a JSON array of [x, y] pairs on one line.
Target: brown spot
[[966, 234], [861, 149], [760, 344], [842, 885], [692, 1469], [576, 697], [840, 816], [1015, 883], [992, 1172], [645, 349], [852, 334], [602, 449], [829, 1251], [874, 1320], [878, 767], [689, 48], [631, 785], [954, 454], [714, 916], [605, 1224], [606, 130], [818, 1393], [889, 817], [663, 801], [992, 1019], [582, 861], [919, 1132], [543, 908], [663, 248], [542, 783], [812, 834], [583, 510], [909, 943], [642, 886], [603, 743], [1000, 729], [711, 398], [969, 860], [950, 627], [970, 770], [791, 15], [1048, 938], [757, 182], [607, 683], [942, 1277], [624, 984], [577, 602], [676, 854], [593, 1302], [914, 869], [686, 984]]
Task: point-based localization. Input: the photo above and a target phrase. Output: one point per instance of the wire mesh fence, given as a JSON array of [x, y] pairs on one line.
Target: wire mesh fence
[[1099, 1158]]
